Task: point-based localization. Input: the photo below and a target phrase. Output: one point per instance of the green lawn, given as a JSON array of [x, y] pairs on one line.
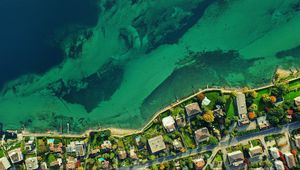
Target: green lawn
[[188, 141], [230, 110], [218, 158], [1, 153], [153, 130], [291, 95], [295, 84], [256, 142], [212, 96]]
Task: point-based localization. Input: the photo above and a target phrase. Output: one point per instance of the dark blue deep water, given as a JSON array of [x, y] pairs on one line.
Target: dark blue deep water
[[28, 33]]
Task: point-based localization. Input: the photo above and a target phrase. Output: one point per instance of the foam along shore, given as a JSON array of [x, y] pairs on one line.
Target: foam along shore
[[120, 132]]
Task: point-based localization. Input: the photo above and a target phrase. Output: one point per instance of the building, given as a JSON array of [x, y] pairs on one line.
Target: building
[[217, 165], [192, 109], [297, 101], [177, 144], [205, 101], [56, 163], [4, 163], [281, 141], [79, 147], [262, 122], [255, 151], [236, 158], [202, 135], [29, 146], [297, 141], [44, 166], [71, 163], [290, 159], [15, 155], [106, 145], [274, 152], [169, 123], [32, 163], [242, 108], [199, 163], [156, 144], [180, 121], [132, 153], [279, 165], [122, 154], [57, 148]]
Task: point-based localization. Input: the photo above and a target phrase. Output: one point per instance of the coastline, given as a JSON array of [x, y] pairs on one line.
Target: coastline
[[120, 132]]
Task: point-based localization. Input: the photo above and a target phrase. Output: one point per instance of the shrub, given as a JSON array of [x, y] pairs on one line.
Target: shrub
[[252, 115], [208, 116]]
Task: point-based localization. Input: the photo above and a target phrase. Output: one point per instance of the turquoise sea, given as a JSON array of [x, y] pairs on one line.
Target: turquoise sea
[[115, 63]]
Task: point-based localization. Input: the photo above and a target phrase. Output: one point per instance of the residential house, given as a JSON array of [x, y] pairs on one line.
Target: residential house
[[199, 163], [132, 153], [255, 151], [29, 146], [279, 165], [32, 163], [205, 101], [4, 163], [79, 147], [105, 164], [202, 135], [57, 163], [297, 101], [94, 152], [192, 109], [290, 159], [71, 163], [15, 155], [297, 141], [122, 154], [282, 141], [44, 166], [216, 165], [177, 144], [242, 108], [262, 122], [169, 123], [274, 152], [156, 144], [236, 158], [217, 133], [180, 121], [57, 148], [106, 145], [219, 113]]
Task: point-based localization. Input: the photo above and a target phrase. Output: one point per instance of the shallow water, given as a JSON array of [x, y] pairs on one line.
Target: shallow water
[[142, 55]]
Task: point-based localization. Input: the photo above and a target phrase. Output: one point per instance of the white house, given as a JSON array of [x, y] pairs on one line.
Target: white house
[[169, 123]]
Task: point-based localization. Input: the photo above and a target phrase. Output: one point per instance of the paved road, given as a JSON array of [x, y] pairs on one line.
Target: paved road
[[222, 145]]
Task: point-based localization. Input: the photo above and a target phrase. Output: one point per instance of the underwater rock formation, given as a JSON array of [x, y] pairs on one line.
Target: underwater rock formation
[[166, 25]]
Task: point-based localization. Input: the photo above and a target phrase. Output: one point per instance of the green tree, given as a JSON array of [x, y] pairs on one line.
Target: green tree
[[208, 116], [213, 140], [265, 98], [221, 100], [273, 120]]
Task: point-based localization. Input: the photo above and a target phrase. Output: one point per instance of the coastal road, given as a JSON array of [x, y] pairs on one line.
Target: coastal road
[[222, 145]]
